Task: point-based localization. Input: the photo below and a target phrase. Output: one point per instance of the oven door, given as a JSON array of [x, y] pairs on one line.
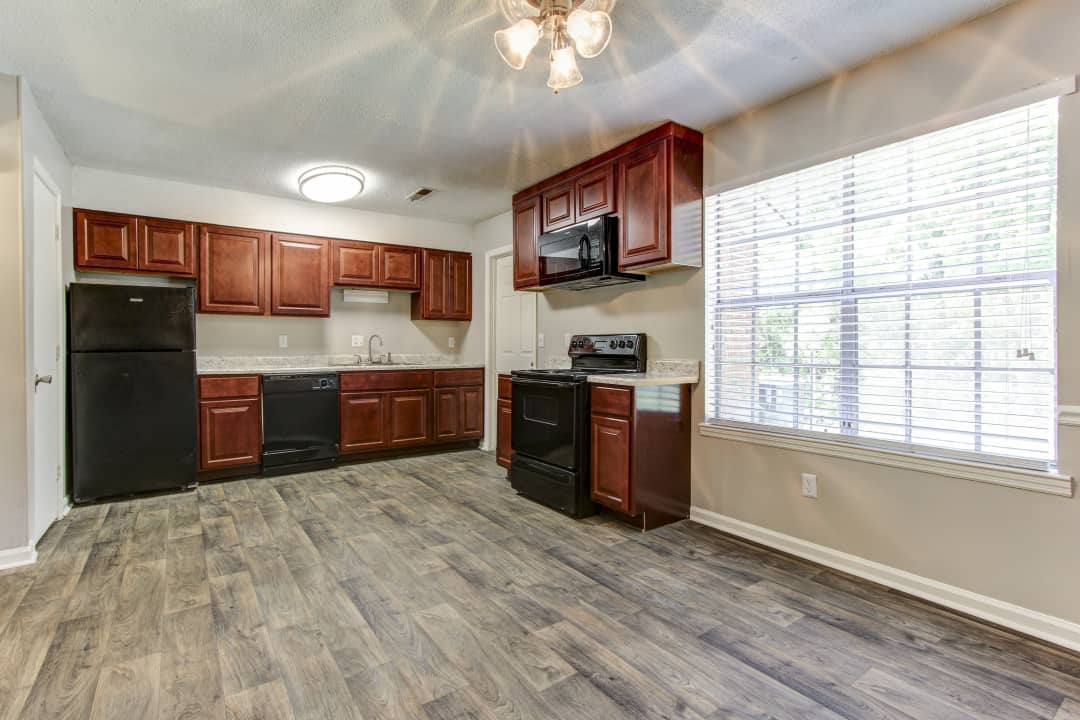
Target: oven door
[[548, 421], [571, 254]]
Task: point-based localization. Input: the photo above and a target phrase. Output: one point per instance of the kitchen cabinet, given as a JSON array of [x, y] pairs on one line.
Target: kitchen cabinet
[[526, 233], [446, 287], [459, 405], [234, 269], [165, 246], [230, 422], [504, 422], [643, 188], [558, 207], [116, 242], [640, 452], [409, 417], [363, 422], [653, 184], [362, 264], [105, 241], [300, 275]]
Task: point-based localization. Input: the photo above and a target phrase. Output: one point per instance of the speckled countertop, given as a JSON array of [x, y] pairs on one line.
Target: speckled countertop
[[262, 365], [658, 372]]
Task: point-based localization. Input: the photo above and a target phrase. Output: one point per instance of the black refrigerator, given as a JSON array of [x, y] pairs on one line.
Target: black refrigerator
[[132, 389]]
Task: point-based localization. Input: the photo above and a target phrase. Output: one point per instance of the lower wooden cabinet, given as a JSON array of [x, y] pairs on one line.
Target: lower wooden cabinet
[[504, 422], [363, 422], [640, 446], [230, 422], [409, 417], [387, 409], [611, 438]]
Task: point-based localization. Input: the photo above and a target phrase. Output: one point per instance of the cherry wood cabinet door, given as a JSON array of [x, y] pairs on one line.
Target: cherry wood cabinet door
[[594, 193], [505, 422], [433, 294], [105, 241], [471, 425], [300, 275], [447, 414], [409, 414], [399, 267], [644, 206], [233, 270], [363, 422], [526, 233], [230, 433], [355, 263], [459, 287], [611, 462], [558, 207], [166, 246]]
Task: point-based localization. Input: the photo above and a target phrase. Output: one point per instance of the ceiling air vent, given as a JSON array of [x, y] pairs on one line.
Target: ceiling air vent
[[420, 194]]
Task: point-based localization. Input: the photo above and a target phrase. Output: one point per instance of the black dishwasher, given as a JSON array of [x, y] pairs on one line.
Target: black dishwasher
[[300, 421]]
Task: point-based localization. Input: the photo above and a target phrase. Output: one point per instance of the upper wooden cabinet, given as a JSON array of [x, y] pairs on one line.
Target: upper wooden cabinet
[[233, 270], [116, 242], [362, 264], [526, 233], [653, 184], [446, 288], [166, 246], [300, 275]]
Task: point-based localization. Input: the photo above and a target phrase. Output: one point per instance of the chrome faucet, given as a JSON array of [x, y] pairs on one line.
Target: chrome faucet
[[370, 357]]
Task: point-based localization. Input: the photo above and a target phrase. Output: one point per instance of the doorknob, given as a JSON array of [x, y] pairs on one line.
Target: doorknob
[[38, 379]]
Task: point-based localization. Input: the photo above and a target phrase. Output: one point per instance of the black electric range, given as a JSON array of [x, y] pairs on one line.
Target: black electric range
[[550, 420]]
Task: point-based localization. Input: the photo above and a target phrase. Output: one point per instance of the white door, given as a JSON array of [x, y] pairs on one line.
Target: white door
[[515, 321], [47, 495]]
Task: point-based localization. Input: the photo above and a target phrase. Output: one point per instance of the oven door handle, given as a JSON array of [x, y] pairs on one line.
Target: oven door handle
[[546, 383]]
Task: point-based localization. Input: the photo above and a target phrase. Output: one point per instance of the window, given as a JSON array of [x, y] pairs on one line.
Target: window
[[901, 297]]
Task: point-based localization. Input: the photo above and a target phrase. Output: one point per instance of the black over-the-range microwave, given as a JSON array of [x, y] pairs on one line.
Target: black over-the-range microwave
[[583, 256]]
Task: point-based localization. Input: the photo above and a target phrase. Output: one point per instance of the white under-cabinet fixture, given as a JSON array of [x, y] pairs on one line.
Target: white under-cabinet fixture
[[366, 296], [572, 26], [331, 183]]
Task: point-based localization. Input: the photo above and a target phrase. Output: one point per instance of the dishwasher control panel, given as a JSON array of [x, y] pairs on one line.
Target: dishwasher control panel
[[300, 382]]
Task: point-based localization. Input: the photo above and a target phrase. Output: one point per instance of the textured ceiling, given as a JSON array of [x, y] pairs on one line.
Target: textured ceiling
[[247, 93]]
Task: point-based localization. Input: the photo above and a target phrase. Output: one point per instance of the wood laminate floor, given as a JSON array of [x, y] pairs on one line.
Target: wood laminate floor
[[425, 588]]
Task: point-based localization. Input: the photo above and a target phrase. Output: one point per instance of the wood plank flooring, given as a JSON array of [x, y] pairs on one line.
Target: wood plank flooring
[[425, 588]]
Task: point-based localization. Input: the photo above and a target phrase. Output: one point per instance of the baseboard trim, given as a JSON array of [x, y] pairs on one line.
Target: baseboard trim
[[17, 557], [1030, 622]]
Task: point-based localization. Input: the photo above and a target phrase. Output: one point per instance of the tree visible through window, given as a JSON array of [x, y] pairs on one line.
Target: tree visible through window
[[902, 296]]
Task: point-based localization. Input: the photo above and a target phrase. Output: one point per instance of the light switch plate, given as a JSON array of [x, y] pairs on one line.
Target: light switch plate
[[283, 341], [450, 342], [358, 341]]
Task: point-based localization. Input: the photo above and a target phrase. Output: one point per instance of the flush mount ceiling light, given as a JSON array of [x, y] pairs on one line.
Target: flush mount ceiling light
[[331, 183], [572, 26]]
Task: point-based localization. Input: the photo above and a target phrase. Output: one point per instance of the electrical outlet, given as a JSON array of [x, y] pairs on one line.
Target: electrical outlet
[[809, 485], [540, 340], [358, 341], [566, 340], [283, 341], [450, 342]]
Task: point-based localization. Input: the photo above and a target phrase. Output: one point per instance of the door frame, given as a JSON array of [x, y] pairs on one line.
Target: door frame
[[60, 381], [491, 372]]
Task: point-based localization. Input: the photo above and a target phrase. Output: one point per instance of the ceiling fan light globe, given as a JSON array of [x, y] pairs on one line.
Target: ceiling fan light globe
[[564, 69], [517, 41], [590, 30]]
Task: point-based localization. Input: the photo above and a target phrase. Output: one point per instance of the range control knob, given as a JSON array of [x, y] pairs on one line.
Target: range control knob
[[630, 344], [622, 343]]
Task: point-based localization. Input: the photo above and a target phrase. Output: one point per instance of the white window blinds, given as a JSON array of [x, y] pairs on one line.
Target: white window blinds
[[901, 297]]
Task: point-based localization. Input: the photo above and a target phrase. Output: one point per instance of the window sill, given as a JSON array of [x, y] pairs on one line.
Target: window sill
[[1049, 483]]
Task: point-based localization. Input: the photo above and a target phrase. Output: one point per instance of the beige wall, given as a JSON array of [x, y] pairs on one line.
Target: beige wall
[[231, 335], [1013, 545], [14, 526]]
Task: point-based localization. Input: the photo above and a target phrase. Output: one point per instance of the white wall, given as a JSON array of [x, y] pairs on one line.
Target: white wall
[[234, 335], [1008, 544]]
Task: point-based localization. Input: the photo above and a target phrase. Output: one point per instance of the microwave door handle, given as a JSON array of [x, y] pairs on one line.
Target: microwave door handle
[[584, 252]]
